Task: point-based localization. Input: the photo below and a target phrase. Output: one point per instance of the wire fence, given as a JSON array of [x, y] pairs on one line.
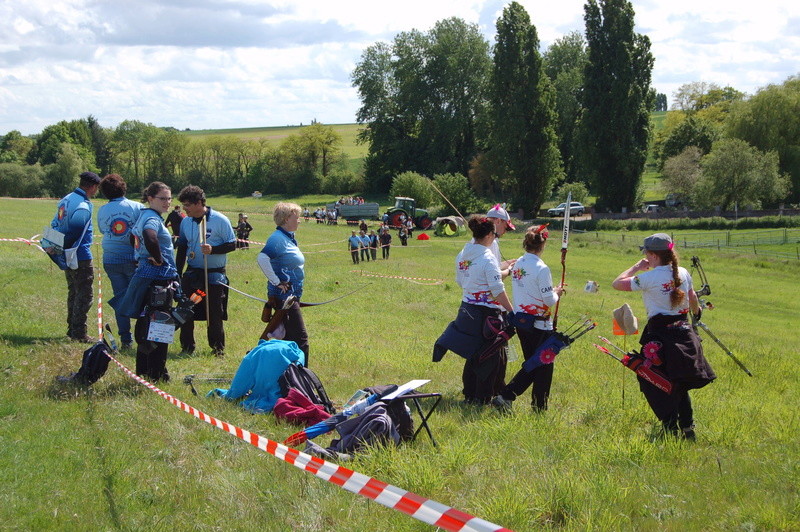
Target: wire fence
[[743, 241]]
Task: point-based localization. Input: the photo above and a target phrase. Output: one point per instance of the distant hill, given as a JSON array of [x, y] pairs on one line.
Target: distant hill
[[276, 134]]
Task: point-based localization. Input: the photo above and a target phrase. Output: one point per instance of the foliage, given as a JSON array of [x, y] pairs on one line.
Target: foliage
[[735, 173], [420, 97], [62, 176], [564, 62], [661, 102], [615, 125], [22, 180], [693, 131], [456, 189], [770, 120], [578, 190], [523, 113], [414, 185], [682, 173], [699, 95], [14, 148]]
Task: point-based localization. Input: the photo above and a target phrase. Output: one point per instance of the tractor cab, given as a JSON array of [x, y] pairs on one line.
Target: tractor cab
[[405, 204]]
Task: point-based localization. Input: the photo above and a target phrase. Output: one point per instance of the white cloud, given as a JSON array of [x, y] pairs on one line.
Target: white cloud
[[247, 63]]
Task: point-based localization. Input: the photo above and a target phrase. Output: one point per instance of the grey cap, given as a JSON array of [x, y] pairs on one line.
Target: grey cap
[[657, 242]]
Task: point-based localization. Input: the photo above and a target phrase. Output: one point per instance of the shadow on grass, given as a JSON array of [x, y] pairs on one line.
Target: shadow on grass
[[67, 391], [19, 340]]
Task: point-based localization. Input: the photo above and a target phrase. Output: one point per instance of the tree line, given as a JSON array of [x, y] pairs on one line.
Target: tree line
[[47, 164], [509, 121]]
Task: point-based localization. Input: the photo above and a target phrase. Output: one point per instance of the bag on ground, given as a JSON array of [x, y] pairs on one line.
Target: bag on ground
[[306, 381]]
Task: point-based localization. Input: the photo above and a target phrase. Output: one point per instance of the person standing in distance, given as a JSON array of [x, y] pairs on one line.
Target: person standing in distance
[[198, 251], [115, 220], [74, 219]]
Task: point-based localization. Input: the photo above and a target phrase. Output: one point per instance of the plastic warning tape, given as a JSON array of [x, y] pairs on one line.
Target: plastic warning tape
[[416, 506], [435, 281], [99, 303]]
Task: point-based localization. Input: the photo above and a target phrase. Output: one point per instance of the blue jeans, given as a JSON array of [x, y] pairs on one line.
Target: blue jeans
[[120, 276]]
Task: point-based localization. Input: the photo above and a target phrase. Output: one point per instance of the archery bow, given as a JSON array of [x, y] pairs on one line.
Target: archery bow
[[564, 246], [706, 291]]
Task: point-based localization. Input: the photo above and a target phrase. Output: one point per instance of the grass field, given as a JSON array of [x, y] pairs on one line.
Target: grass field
[[120, 458]]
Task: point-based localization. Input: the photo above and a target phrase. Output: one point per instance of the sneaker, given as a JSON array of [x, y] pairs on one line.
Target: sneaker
[[127, 346], [501, 403], [688, 434], [219, 353], [186, 352]]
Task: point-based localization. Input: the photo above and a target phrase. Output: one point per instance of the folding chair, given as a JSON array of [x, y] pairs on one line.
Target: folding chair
[[423, 416]]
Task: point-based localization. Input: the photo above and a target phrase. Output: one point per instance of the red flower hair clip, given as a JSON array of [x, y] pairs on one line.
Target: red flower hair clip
[[542, 230]]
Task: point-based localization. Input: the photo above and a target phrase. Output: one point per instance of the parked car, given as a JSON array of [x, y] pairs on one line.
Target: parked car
[[575, 209], [651, 208]]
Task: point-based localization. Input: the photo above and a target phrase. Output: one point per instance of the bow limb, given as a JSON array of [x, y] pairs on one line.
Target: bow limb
[[564, 248]]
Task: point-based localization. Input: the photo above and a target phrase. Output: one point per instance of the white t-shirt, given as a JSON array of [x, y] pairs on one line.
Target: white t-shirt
[[478, 275], [656, 286], [533, 289]]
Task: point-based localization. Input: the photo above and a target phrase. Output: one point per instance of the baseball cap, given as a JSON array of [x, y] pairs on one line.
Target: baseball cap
[[90, 178], [499, 212], [657, 242]]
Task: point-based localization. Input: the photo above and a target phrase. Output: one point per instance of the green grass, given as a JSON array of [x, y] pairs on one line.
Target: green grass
[[120, 457]]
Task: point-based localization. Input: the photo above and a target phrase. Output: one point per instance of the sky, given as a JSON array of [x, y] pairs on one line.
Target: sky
[[210, 64]]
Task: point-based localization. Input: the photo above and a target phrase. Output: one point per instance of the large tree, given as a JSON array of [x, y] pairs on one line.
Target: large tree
[[770, 120], [736, 173], [421, 97], [523, 112], [615, 124], [564, 63]]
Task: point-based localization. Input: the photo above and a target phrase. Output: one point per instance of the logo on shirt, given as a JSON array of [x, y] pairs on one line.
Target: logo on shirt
[[62, 212], [536, 310], [464, 265], [517, 274], [484, 296], [666, 288], [136, 242], [119, 227]]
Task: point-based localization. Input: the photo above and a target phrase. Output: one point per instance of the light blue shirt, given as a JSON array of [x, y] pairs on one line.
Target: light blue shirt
[[287, 262], [150, 219], [115, 220], [218, 231], [74, 211]]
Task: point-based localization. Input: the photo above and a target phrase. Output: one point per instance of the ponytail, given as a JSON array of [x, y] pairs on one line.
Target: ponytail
[[669, 256]]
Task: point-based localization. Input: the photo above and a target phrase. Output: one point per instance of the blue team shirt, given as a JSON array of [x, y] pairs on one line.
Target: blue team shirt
[[218, 231], [72, 214], [115, 220], [150, 219], [355, 241], [287, 262]]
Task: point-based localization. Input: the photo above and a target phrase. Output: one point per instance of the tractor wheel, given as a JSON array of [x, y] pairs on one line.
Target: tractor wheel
[[394, 218], [425, 222]]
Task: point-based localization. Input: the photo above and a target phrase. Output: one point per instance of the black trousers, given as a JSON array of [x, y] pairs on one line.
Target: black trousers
[[541, 378], [296, 329], [674, 410], [385, 250], [79, 298], [217, 296], [151, 357], [354, 255]]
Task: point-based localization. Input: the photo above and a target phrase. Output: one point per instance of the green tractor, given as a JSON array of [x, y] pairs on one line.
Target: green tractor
[[405, 208]]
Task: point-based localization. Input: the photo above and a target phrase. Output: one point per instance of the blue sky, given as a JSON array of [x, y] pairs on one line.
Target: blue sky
[[225, 64]]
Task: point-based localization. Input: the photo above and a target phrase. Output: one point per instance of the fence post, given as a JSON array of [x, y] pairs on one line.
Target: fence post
[[755, 252], [728, 239]]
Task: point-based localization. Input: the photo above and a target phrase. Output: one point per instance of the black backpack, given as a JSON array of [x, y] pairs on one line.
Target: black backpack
[[397, 410], [306, 381], [94, 365]]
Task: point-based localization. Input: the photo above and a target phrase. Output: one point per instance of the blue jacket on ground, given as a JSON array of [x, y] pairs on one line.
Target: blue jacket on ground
[[258, 375]]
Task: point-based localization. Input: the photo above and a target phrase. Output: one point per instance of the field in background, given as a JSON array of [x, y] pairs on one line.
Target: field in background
[[119, 457]]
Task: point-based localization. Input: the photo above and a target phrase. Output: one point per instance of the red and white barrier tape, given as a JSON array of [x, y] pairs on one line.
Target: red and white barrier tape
[[99, 303], [32, 241], [413, 279], [416, 506]]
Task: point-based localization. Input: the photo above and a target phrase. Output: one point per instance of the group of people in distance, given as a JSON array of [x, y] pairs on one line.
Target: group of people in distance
[[143, 260], [363, 244], [145, 263], [670, 341]]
